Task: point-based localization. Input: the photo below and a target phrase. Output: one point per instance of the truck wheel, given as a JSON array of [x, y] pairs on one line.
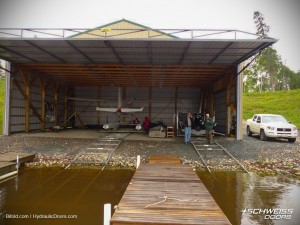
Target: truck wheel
[[262, 135], [292, 140], [249, 133]]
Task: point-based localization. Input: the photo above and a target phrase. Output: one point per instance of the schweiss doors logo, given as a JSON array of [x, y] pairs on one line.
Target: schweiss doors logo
[[271, 214]]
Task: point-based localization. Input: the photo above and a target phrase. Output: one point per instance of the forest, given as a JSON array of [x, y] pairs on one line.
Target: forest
[[268, 72]]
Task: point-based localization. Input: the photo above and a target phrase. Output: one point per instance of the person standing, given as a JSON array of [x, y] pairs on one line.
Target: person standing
[[209, 126], [187, 127]]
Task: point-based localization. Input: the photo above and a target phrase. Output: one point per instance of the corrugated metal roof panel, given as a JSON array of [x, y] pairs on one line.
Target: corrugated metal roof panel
[[61, 49]]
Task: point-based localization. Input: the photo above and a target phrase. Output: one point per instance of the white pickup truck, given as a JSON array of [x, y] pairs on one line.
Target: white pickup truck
[[271, 126]]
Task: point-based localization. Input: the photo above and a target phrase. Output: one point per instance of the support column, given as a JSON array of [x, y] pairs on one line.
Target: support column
[[7, 100], [239, 105]]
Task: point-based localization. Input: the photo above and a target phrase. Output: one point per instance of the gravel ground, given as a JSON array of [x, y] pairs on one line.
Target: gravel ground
[[273, 157]]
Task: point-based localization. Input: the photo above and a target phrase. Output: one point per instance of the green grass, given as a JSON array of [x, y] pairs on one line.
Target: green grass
[[2, 83], [286, 103]]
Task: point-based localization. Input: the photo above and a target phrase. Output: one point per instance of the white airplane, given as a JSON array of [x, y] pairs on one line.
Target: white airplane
[[121, 108]]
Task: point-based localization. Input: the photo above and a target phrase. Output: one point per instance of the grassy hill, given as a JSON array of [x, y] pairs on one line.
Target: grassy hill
[[2, 82], [286, 103]]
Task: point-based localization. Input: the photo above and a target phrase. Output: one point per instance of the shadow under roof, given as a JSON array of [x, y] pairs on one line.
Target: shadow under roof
[[131, 62]]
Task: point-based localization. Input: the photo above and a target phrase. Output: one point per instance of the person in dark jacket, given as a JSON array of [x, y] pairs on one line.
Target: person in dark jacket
[[187, 122], [209, 126]]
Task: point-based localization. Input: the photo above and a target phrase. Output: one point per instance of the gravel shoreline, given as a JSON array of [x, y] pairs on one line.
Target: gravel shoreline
[[268, 157]]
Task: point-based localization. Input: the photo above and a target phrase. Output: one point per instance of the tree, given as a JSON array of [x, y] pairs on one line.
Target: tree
[[262, 28], [264, 72]]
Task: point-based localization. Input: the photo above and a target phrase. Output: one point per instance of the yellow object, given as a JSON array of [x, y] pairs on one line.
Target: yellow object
[[105, 29]]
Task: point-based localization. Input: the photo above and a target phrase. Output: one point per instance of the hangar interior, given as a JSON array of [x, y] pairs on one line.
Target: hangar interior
[[52, 77]]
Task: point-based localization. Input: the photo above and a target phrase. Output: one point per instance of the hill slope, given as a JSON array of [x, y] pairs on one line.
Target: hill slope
[[286, 103]]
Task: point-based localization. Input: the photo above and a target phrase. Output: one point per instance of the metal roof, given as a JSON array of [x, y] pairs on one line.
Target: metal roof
[[131, 62], [130, 51]]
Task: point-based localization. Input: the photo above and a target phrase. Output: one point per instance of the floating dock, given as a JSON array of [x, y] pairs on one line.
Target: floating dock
[[8, 162], [166, 192]]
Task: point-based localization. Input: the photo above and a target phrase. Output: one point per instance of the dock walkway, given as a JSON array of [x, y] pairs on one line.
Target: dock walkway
[[166, 192], [8, 161]]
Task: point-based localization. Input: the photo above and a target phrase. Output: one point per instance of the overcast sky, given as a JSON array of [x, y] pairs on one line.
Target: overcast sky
[[283, 16]]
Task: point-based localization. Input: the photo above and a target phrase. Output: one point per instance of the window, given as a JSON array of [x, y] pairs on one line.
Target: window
[[258, 119]]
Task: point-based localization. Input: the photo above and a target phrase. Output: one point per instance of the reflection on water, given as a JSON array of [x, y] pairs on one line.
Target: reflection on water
[[235, 192], [77, 193], [83, 192]]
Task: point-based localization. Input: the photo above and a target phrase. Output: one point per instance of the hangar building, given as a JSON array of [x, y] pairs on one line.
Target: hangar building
[[52, 74]]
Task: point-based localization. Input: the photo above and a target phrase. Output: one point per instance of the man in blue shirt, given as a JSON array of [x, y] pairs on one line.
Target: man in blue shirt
[[187, 122]]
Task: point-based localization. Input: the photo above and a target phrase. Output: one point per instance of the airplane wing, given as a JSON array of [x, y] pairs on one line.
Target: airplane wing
[[131, 110], [107, 109]]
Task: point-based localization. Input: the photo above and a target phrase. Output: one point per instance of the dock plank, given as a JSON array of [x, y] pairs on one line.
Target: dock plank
[[162, 193], [12, 157]]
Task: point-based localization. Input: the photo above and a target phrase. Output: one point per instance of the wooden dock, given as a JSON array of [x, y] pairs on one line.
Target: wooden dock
[[166, 192], [8, 161]]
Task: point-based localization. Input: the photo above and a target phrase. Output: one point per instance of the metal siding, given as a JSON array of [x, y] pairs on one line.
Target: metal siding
[[49, 98], [35, 100], [87, 110], [163, 105], [220, 111], [61, 106], [17, 112]]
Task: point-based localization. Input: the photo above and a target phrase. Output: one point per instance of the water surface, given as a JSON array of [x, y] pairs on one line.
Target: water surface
[[241, 195], [78, 193], [81, 193]]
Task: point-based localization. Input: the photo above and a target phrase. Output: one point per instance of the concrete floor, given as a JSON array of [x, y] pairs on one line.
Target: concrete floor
[[93, 134]]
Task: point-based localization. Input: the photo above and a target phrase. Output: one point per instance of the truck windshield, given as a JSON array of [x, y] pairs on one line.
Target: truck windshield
[[268, 119]]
